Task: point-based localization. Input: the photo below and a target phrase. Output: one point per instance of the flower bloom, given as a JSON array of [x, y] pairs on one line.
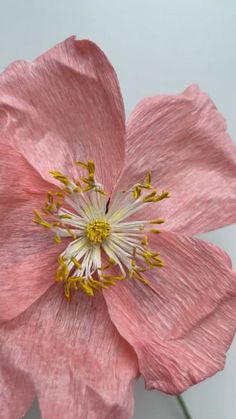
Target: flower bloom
[[102, 281]]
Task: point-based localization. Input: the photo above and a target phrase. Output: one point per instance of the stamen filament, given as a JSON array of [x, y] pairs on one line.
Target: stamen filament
[[100, 229]]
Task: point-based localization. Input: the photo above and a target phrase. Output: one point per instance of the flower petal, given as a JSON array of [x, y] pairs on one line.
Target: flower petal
[[17, 393], [77, 360], [183, 141], [182, 324], [27, 252], [65, 106]]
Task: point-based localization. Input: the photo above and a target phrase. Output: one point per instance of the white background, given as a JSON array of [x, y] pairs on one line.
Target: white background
[[156, 46]]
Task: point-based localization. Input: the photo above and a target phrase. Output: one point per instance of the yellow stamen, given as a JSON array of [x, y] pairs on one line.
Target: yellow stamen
[[87, 288], [152, 259], [150, 197], [67, 190], [76, 263], [60, 194], [60, 177], [97, 230], [113, 277], [81, 164], [91, 278], [158, 221], [154, 197], [57, 239], [71, 233], [91, 167], [135, 272], [111, 263], [58, 204], [39, 220], [137, 192], [148, 180], [144, 241]]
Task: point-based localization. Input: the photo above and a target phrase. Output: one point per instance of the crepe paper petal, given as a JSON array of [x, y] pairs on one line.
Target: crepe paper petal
[[17, 393], [65, 106], [170, 301], [28, 255], [182, 323], [78, 362], [183, 141]]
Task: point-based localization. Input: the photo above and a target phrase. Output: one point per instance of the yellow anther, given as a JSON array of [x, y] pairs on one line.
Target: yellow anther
[[48, 208], [67, 292], [61, 260], [99, 284], [77, 182], [150, 197], [158, 221], [111, 263], [154, 197], [148, 180], [66, 216], [75, 262], [152, 259], [71, 233], [90, 180], [39, 220], [136, 274], [133, 262], [155, 230], [50, 197], [137, 192], [91, 167], [58, 204], [94, 283], [97, 230], [67, 190], [60, 177], [87, 288], [99, 190], [163, 195], [62, 272], [112, 277], [81, 164], [57, 239], [56, 224], [87, 181], [60, 194], [75, 281], [144, 241]]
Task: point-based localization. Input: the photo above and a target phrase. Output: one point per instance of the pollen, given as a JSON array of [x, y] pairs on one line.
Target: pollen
[[97, 230]]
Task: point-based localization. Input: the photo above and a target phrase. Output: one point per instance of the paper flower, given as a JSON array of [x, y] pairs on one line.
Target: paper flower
[[91, 294]]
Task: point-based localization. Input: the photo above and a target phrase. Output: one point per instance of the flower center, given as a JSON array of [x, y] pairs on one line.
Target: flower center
[[97, 230], [101, 229]]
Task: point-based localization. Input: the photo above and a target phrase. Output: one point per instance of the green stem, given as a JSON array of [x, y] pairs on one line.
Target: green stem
[[183, 407]]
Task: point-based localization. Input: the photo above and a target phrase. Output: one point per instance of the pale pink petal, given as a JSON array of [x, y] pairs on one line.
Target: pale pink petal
[[81, 367], [183, 141], [65, 106], [182, 324], [17, 393], [28, 253]]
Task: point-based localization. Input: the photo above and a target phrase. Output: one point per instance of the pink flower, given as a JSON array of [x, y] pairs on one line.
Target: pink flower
[[162, 305]]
